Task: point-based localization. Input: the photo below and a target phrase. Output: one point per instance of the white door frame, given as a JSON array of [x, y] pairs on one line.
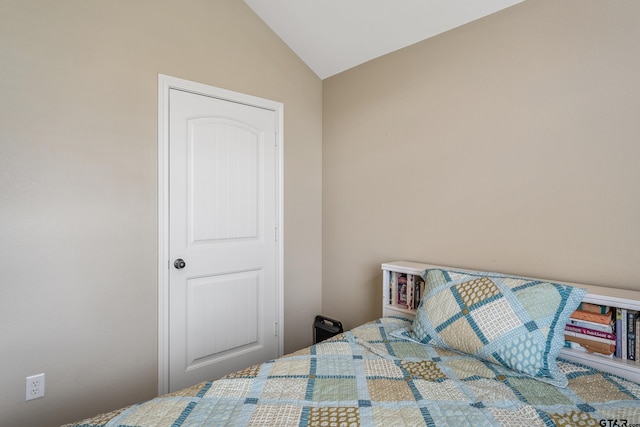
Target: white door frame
[[165, 83]]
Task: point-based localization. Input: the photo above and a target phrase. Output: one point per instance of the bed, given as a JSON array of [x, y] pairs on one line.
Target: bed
[[395, 371]]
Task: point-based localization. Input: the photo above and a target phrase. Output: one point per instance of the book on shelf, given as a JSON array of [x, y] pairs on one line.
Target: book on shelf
[[637, 343], [410, 291], [594, 308], [401, 283], [621, 333], [592, 325], [590, 332], [392, 287], [578, 347], [592, 345], [632, 316], [590, 338], [604, 319]]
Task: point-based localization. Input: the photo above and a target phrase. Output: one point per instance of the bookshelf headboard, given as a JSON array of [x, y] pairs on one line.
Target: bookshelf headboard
[[617, 297]]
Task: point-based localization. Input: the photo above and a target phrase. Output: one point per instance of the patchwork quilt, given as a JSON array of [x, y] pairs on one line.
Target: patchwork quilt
[[367, 377]]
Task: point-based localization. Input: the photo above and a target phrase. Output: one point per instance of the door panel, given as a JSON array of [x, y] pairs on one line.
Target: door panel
[[224, 159], [222, 317], [222, 221]]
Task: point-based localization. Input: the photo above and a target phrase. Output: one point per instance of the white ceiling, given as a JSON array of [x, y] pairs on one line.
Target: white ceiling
[[331, 36]]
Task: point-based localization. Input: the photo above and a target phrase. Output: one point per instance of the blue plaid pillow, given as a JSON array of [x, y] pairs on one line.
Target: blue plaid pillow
[[514, 322]]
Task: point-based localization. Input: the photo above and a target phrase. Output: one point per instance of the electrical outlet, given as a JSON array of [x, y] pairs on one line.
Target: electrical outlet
[[35, 386]]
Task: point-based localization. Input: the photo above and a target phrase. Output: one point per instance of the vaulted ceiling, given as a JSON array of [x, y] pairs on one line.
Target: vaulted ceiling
[[331, 36]]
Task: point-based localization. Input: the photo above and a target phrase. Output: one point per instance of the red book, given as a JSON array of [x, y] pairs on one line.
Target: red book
[[590, 332]]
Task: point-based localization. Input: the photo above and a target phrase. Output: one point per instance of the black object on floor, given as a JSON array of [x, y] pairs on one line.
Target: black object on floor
[[324, 328]]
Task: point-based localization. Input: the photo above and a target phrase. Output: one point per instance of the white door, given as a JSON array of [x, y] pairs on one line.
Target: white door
[[222, 238]]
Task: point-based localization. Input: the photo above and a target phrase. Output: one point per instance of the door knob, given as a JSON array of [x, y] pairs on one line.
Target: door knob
[[179, 264]]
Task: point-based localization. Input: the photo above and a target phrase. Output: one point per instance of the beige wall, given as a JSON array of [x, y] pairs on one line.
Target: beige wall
[[509, 144], [78, 120]]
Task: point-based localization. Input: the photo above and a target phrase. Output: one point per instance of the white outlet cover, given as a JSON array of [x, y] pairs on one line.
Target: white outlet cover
[[35, 387]]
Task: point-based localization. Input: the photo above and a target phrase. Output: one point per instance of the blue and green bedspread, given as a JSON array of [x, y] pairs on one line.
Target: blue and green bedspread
[[366, 377]]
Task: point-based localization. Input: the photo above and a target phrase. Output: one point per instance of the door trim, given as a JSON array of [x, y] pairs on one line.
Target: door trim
[[165, 84]]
